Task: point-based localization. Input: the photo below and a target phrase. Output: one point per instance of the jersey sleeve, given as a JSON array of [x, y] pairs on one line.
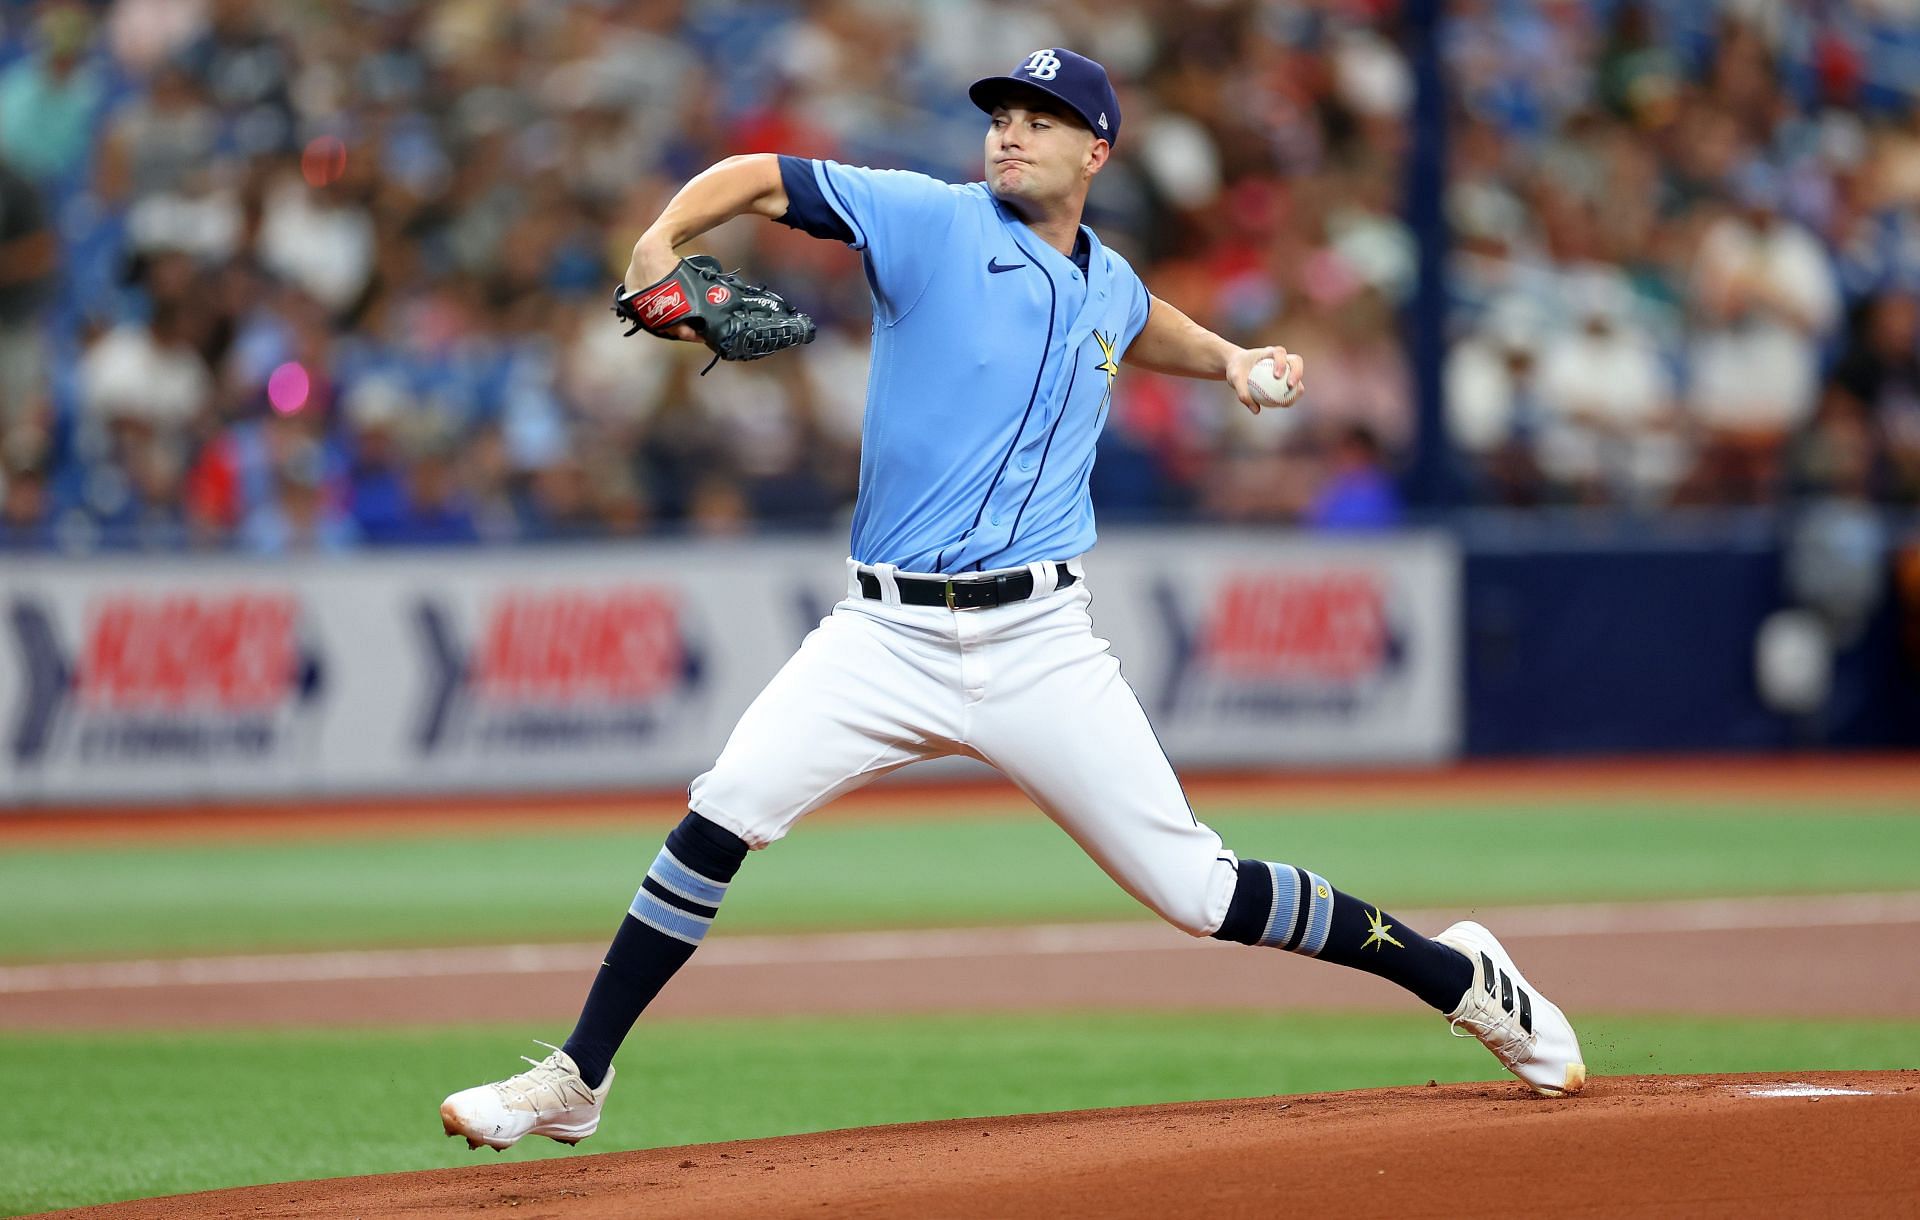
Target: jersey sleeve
[[1141, 303], [807, 206], [898, 220]]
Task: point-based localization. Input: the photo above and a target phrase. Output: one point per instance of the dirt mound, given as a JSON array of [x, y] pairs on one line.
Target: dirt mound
[[1826, 1143]]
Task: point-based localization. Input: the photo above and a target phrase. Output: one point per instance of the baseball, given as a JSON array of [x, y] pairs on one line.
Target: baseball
[[1271, 387]]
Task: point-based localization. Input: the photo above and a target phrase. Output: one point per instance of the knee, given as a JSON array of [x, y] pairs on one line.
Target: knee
[[1190, 918], [1196, 908], [719, 797]]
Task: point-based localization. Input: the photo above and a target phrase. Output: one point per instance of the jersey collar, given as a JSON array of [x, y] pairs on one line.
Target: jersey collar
[[1058, 264], [1029, 241]]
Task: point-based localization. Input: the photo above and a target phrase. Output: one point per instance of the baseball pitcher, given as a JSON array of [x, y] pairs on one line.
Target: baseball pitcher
[[999, 325]]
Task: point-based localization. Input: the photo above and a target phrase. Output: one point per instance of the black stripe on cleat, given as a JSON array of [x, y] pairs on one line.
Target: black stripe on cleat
[[1506, 991], [1486, 971], [1526, 1010]]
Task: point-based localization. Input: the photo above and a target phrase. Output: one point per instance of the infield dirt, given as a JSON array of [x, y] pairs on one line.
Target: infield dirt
[[1631, 1146], [1648, 971]]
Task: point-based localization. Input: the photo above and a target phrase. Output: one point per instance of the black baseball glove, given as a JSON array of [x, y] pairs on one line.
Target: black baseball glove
[[739, 321]]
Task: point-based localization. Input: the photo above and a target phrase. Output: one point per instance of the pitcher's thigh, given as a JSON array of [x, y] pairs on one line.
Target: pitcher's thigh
[[1079, 744], [841, 712]]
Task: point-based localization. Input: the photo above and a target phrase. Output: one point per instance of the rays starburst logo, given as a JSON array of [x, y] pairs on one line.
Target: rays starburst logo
[[1379, 933]]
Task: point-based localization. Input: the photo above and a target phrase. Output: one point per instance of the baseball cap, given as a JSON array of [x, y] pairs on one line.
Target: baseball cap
[[1079, 82]]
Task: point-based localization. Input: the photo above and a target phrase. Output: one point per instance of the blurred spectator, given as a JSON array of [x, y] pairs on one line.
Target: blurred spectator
[[50, 98], [318, 238], [558, 503], [1496, 412], [151, 375], [1833, 456], [154, 141], [436, 511], [1881, 371], [1610, 430], [1357, 492], [333, 275], [298, 515], [1359, 374], [246, 68], [376, 483], [143, 34], [718, 508], [25, 516], [146, 511], [28, 258], [1765, 299]]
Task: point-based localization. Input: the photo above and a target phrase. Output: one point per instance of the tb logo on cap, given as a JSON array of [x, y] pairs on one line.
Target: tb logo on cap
[[1042, 65]]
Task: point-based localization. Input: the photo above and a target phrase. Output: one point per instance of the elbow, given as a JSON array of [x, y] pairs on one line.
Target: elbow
[[760, 177]]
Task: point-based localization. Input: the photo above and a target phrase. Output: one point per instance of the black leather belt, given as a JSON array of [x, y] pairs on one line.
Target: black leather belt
[[964, 592]]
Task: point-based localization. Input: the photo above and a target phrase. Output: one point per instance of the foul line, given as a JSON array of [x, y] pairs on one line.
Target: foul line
[[724, 952]]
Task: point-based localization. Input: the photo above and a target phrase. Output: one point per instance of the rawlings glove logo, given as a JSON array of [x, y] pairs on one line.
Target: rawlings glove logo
[[738, 321], [666, 302]]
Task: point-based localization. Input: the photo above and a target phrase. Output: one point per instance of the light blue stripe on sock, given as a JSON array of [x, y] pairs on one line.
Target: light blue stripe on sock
[[685, 882], [663, 918], [1286, 901], [1319, 915]]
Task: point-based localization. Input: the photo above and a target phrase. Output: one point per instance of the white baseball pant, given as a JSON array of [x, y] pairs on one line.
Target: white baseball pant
[[1025, 687]]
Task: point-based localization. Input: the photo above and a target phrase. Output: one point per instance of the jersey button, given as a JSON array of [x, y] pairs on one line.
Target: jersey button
[[993, 518]]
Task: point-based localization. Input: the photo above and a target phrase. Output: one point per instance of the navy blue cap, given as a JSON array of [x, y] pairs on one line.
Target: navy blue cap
[[1073, 78]]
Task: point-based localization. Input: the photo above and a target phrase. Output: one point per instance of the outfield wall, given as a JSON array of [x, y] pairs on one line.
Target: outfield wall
[[609, 666]]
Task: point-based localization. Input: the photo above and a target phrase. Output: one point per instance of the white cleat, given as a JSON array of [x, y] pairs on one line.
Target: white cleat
[[1523, 1029], [548, 1099]]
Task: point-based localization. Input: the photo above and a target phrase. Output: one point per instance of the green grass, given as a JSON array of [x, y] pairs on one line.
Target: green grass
[[572, 883], [132, 1115]]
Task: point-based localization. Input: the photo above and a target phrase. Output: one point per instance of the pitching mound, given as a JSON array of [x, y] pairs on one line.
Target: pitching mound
[[1826, 1143]]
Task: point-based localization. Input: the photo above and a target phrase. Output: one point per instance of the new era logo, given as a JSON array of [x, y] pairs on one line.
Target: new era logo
[[1103, 120]]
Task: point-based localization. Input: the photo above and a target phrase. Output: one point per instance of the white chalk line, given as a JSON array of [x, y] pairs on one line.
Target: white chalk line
[[726, 952], [1810, 1090]]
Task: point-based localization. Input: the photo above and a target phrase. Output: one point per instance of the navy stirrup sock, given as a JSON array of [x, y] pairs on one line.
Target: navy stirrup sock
[[669, 917], [1290, 908]]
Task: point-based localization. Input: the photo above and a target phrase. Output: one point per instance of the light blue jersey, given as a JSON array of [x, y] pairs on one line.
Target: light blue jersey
[[993, 364]]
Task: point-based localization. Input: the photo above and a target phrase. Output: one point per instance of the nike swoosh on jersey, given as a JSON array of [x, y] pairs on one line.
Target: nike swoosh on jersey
[[995, 267]]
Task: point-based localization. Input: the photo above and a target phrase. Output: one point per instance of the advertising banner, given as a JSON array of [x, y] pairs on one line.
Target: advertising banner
[[158, 680], [1247, 650]]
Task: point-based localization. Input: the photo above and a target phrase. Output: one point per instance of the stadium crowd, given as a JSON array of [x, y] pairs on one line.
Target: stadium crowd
[[293, 277]]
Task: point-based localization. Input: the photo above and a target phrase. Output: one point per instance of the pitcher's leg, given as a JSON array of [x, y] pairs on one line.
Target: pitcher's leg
[[1063, 725], [675, 905], [852, 703], [860, 698], [1066, 727], [561, 1096]]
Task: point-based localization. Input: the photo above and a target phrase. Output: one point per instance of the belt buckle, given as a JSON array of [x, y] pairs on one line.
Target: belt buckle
[[951, 586]]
